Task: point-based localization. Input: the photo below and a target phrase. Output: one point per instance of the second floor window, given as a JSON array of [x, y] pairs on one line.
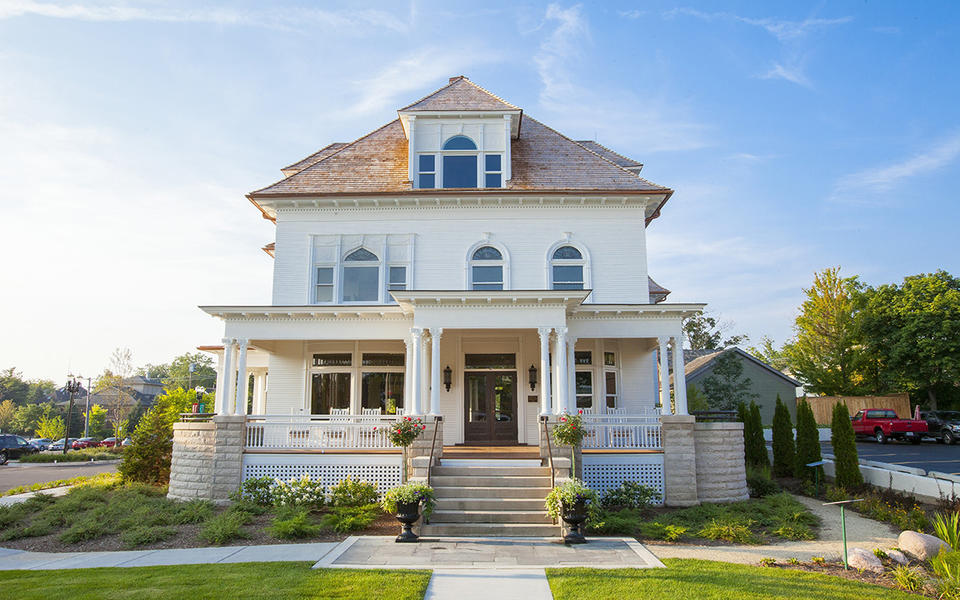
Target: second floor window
[[486, 269], [566, 269], [459, 164], [361, 276]]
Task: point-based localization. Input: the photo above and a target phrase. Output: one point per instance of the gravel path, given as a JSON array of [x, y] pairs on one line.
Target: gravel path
[[861, 533]]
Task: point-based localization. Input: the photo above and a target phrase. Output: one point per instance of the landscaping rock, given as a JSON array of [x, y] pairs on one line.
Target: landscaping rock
[[898, 557], [864, 560], [920, 545]]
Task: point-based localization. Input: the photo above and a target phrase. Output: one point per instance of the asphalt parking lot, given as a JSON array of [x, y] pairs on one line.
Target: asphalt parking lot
[[929, 456], [14, 474]]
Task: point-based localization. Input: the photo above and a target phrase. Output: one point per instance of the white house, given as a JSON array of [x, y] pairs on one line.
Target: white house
[[470, 265]]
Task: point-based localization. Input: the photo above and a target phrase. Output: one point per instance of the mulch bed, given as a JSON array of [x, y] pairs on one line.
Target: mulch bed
[[836, 569], [187, 537]]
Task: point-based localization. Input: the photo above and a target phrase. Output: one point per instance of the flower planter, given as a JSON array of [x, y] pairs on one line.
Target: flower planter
[[574, 515], [408, 513]]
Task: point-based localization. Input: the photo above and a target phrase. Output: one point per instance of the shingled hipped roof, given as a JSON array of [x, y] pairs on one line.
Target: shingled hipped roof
[[313, 159], [459, 94]]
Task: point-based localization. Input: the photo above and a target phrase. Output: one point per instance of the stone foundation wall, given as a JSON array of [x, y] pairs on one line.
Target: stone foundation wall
[[561, 454], [207, 459], [721, 475], [679, 461], [417, 455]]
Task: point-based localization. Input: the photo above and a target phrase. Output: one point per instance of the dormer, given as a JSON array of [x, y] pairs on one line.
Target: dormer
[[459, 137]]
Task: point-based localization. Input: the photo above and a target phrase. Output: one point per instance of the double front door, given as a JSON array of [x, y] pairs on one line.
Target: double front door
[[490, 399]]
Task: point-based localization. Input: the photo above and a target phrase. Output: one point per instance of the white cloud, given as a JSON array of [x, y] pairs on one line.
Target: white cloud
[[793, 74], [878, 180], [615, 116], [287, 18]]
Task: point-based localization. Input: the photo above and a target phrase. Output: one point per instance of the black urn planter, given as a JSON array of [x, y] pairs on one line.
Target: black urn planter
[[575, 516], [407, 514]]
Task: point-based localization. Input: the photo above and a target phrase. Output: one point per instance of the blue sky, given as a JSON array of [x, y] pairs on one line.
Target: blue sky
[[797, 136]]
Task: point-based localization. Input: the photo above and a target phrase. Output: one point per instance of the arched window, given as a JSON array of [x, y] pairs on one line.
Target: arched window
[[361, 276], [567, 269], [459, 142], [486, 269], [460, 167], [459, 164]]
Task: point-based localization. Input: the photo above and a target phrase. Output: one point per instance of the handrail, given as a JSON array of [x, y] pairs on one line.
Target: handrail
[[546, 434], [436, 425]]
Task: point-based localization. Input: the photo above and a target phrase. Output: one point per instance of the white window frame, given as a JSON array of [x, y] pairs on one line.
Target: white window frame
[[481, 164], [435, 172], [584, 262], [406, 281], [360, 264], [591, 368], [503, 263], [615, 370], [332, 285]]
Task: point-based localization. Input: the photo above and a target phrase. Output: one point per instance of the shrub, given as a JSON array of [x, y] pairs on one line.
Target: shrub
[[141, 536], [880, 553], [625, 522], [194, 511], [403, 432], [754, 448], [630, 494], [568, 493], [760, 483], [767, 562], [808, 443], [946, 564], [85, 455], [353, 493], [794, 531], [414, 491], [845, 449], [225, 527], [793, 560], [344, 519], [673, 533], [299, 492], [569, 431], [730, 530], [784, 452], [148, 459], [818, 560], [291, 524], [947, 528], [258, 490], [907, 578]]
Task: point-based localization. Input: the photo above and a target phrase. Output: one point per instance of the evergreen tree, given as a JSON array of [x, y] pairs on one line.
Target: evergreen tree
[[808, 442], [754, 448], [784, 452], [844, 443]]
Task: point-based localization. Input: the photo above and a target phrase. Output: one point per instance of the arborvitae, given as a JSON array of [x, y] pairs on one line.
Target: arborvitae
[[808, 442], [742, 414], [755, 449], [844, 443], [784, 453]]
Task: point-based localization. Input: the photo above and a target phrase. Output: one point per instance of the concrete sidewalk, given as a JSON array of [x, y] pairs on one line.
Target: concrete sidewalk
[[18, 498]]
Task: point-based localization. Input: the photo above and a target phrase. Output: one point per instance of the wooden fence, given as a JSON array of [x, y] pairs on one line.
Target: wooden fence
[[823, 405]]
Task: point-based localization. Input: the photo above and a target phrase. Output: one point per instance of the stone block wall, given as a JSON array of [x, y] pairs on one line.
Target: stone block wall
[[679, 461], [417, 454], [721, 474], [207, 459], [564, 453]]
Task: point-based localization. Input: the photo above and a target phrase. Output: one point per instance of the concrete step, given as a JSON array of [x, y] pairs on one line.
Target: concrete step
[[446, 491], [490, 516], [499, 481], [490, 504], [490, 529], [478, 471]]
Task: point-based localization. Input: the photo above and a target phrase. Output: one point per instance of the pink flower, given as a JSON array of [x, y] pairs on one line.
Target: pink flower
[[564, 419], [580, 412], [573, 427]]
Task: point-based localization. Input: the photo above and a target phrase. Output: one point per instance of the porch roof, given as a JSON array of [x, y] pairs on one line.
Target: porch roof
[[409, 301]]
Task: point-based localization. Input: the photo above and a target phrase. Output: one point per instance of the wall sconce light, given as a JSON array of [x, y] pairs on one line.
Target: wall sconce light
[[532, 372], [448, 377]]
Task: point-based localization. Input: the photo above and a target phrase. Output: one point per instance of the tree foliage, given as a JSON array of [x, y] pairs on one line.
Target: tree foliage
[[7, 411], [784, 451], [27, 417], [726, 387], [913, 332], [97, 425], [844, 444], [51, 428], [21, 391], [706, 333], [754, 447], [808, 442]]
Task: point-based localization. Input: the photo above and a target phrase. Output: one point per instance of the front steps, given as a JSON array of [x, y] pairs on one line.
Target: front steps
[[480, 498]]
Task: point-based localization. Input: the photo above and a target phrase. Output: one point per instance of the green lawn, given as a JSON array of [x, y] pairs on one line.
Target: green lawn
[[707, 580], [276, 581]]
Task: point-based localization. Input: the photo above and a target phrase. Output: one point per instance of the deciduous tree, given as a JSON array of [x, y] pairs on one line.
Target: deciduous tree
[[726, 387], [706, 333]]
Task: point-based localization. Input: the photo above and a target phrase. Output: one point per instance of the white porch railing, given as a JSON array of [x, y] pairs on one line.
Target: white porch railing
[[622, 432], [318, 432]]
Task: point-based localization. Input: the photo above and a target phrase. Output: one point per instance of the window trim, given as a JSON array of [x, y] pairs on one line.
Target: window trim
[[479, 152], [504, 263], [360, 264], [583, 262]]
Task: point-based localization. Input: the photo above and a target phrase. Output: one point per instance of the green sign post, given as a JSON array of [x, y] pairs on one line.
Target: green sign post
[[843, 526]]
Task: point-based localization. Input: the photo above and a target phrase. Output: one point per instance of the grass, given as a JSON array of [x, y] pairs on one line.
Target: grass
[[777, 516], [279, 581], [46, 485], [85, 455], [707, 580]]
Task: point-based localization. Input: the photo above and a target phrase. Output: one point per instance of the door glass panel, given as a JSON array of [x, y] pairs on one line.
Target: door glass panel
[[611, 384], [329, 390], [503, 398], [476, 398]]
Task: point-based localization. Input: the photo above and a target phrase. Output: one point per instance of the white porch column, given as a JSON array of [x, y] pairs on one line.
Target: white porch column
[[243, 378], [571, 376], [563, 377], [408, 377], [679, 377], [221, 387], [229, 376], [416, 369], [664, 376], [544, 369], [435, 333]]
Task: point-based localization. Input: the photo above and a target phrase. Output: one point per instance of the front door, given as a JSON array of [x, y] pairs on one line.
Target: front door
[[490, 408]]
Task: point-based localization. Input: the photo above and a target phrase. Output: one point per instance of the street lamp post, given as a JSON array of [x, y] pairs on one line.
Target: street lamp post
[[73, 386]]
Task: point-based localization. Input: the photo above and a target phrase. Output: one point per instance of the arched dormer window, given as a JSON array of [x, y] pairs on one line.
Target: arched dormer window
[[459, 163], [568, 268], [361, 276], [487, 269], [459, 142]]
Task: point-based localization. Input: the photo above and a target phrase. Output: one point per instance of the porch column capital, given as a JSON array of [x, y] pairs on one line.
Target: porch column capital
[[544, 332], [416, 333], [562, 331], [436, 332]]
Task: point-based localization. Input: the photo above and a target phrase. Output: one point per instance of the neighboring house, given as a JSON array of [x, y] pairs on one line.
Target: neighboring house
[[470, 266], [765, 381], [137, 391]]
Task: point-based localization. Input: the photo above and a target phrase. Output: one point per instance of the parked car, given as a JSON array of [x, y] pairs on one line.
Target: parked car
[[126, 442], [87, 442], [110, 442], [882, 424], [58, 445], [943, 425], [41, 443], [14, 446]]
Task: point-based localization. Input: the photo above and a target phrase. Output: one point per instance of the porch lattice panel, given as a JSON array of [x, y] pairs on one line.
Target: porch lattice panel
[[605, 471], [385, 471]]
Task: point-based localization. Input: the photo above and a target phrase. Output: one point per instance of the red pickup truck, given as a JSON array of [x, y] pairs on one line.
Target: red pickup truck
[[883, 424]]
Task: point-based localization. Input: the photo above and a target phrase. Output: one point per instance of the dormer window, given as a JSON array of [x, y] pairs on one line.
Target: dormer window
[[459, 164]]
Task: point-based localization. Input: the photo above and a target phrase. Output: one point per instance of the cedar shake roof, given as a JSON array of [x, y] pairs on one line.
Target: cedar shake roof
[[460, 94], [658, 293], [614, 157], [313, 159]]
